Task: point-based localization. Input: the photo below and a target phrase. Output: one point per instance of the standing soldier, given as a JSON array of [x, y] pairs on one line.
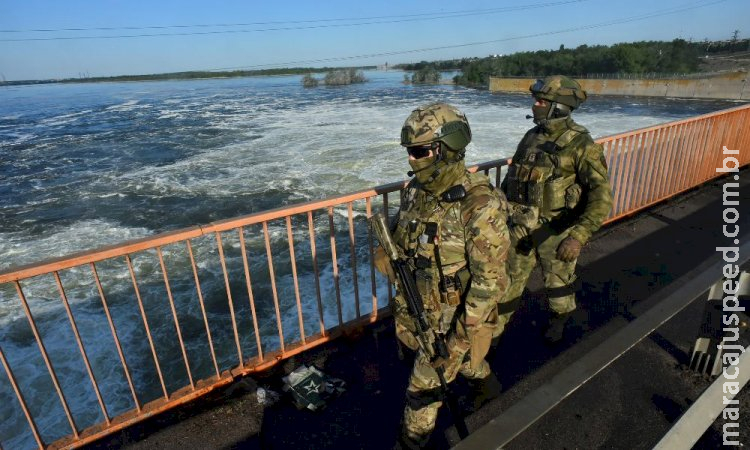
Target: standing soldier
[[452, 228], [559, 195]]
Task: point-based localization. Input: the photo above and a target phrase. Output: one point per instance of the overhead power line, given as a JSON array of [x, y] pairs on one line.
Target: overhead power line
[[425, 15], [657, 13], [370, 21]]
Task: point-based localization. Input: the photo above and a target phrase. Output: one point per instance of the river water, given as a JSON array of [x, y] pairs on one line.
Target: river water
[[86, 165]]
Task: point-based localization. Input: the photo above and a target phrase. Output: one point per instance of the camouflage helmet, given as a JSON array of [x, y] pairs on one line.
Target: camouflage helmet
[[560, 89], [438, 122]]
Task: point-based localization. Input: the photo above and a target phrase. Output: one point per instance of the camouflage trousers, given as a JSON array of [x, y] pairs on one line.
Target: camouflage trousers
[[424, 394], [558, 275]]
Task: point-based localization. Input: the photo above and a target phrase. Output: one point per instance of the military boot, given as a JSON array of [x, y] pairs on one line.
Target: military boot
[[406, 441], [484, 390], [556, 327]]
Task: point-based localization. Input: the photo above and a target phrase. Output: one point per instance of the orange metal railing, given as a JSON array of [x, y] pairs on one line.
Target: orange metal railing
[[649, 165], [646, 167]]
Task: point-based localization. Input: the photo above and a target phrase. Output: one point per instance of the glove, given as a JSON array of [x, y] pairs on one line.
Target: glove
[[518, 232], [383, 264], [569, 249]]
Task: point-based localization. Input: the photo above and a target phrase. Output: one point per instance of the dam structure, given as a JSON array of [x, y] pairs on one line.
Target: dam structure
[[268, 306], [729, 86]]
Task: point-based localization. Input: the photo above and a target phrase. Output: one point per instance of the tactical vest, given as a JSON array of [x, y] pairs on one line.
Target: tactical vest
[[431, 233], [544, 176]]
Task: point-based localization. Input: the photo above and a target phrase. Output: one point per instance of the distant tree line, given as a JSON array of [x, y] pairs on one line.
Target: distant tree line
[[677, 56], [186, 75], [443, 66], [733, 45], [200, 74]]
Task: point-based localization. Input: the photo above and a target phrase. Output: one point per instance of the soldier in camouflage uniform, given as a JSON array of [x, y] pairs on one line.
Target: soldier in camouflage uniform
[[452, 227], [559, 195]]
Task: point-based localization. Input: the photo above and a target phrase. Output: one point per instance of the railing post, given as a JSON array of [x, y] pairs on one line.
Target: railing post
[[145, 325], [220, 246], [113, 329], [293, 260], [21, 400]]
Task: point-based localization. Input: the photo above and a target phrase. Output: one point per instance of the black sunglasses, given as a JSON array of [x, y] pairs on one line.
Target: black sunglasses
[[421, 151]]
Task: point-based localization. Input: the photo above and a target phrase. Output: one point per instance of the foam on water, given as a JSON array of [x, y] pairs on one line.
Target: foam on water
[[57, 242], [87, 165], [127, 106]]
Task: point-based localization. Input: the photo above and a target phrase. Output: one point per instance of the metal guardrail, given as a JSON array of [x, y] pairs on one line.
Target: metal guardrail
[[646, 166], [706, 409]]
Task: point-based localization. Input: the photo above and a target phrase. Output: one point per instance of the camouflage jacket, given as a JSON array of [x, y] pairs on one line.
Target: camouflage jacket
[[472, 240], [558, 168]]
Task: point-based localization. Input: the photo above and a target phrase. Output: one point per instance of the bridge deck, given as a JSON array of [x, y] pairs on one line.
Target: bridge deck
[[631, 404]]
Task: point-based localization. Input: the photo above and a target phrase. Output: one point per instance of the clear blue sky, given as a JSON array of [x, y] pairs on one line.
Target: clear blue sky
[[295, 33]]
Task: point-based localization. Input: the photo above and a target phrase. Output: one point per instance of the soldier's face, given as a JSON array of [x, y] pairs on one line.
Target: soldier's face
[[540, 109]]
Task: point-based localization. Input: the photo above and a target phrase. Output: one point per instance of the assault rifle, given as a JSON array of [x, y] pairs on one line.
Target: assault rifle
[[431, 343]]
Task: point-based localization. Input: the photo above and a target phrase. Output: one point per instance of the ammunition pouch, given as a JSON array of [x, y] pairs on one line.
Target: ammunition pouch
[[451, 291], [559, 194], [439, 306], [427, 288], [451, 288], [528, 193], [550, 197], [573, 195]]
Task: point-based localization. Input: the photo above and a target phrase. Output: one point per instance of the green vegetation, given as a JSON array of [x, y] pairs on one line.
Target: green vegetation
[[310, 81], [428, 74], [678, 56], [344, 77], [338, 77]]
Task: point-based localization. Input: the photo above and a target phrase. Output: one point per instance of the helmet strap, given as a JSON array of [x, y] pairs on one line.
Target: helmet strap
[[433, 176], [436, 173], [551, 110], [559, 110]]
